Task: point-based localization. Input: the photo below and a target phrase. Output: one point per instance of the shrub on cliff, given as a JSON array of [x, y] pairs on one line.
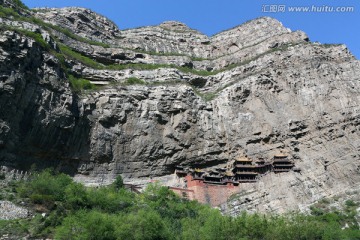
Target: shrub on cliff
[[45, 187], [80, 84]]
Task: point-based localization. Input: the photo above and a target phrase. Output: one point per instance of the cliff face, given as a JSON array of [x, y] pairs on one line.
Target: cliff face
[[39, 113], [200, 101]]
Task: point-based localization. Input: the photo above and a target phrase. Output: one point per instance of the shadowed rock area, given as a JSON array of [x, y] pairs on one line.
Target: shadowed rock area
[[197, 101]]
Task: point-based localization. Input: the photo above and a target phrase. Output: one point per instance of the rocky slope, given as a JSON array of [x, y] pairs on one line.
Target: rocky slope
[[199, 101]]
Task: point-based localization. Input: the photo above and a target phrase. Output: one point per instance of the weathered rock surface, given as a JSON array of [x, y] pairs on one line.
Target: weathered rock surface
[[38, 110], [9, 211], [81, 21], [265, 89]]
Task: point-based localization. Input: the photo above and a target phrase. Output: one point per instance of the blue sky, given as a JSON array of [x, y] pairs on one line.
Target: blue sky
[[211, 17]]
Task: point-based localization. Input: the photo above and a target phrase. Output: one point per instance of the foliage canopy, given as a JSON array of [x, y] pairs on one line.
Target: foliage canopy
[[113, 212]]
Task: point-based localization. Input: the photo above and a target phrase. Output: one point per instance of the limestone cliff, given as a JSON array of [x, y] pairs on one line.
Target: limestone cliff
[[195, 100]]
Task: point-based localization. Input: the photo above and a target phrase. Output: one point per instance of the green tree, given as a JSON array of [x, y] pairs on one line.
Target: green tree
[[119, 182], [110, 200], [45, 187], [76, 196], [191, 229], [142, 225], [85, 225]]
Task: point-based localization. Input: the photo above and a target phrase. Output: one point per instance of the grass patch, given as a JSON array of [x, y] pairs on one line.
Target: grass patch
[[36, 36], [209, 96], [140, 66], [80, 84], [135, 66], [351, 203], [13, 227], [5, 12], [156, 53], [196, 72], [173, 30], [20, 4], [168, 83], [153, 53], [134, 81], [206, 96], [69, 34], [66, 32], [329, 45], [79, 57], [8, 12], [199, 59], [325, 201], [206, 43]]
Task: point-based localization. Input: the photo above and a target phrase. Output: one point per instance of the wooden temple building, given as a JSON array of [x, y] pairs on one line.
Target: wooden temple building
[[262, 166], [214, 177], [215, 185], [281, 163], [180, 171], [243, 170]]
